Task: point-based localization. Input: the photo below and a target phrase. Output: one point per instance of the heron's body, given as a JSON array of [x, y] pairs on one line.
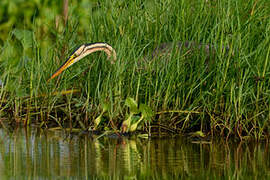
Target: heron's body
[[166, 48]]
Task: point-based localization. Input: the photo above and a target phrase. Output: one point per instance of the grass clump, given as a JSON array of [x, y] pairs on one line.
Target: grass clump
[[224, 93]]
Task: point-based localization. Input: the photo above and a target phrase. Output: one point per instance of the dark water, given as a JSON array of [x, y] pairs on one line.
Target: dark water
[[35, 154]]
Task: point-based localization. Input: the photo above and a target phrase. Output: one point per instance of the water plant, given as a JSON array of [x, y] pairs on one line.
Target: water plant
[[226, 94], [136, 115]]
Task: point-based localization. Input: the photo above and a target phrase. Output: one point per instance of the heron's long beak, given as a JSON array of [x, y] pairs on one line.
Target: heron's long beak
[[68, 63]]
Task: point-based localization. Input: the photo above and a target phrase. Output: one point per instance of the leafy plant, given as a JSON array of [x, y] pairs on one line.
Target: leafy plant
[[136, 115], [97, 121]]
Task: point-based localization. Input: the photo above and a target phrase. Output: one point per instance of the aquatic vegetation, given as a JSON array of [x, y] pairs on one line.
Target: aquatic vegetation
[[222, 94], [136, 115]]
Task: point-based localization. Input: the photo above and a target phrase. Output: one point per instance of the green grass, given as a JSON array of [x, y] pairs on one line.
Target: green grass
[[231, 94]]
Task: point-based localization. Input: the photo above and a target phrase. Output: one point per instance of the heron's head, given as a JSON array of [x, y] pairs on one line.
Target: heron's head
[[83, 51]]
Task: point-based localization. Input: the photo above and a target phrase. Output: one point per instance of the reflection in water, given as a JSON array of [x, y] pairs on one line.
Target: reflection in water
[[25, 153]]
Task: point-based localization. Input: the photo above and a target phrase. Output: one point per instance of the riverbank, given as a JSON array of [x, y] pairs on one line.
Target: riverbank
[[225, 94]]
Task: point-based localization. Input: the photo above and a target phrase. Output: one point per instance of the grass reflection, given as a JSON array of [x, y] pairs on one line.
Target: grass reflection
[[35, 153]]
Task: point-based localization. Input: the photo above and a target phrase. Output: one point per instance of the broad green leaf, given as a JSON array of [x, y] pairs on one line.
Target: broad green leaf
[[132, 104], [105, 107], [25, 37], [146, 111]]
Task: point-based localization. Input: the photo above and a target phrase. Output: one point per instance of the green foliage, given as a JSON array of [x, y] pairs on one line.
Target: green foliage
[[136, 115], [25, 37], [146, 115], [231, 92], [97, 121]]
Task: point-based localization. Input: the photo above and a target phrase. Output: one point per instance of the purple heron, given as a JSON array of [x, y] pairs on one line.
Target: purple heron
[[162, 49]]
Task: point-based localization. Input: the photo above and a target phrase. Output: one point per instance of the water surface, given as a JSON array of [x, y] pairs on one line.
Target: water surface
[[38, 154]]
